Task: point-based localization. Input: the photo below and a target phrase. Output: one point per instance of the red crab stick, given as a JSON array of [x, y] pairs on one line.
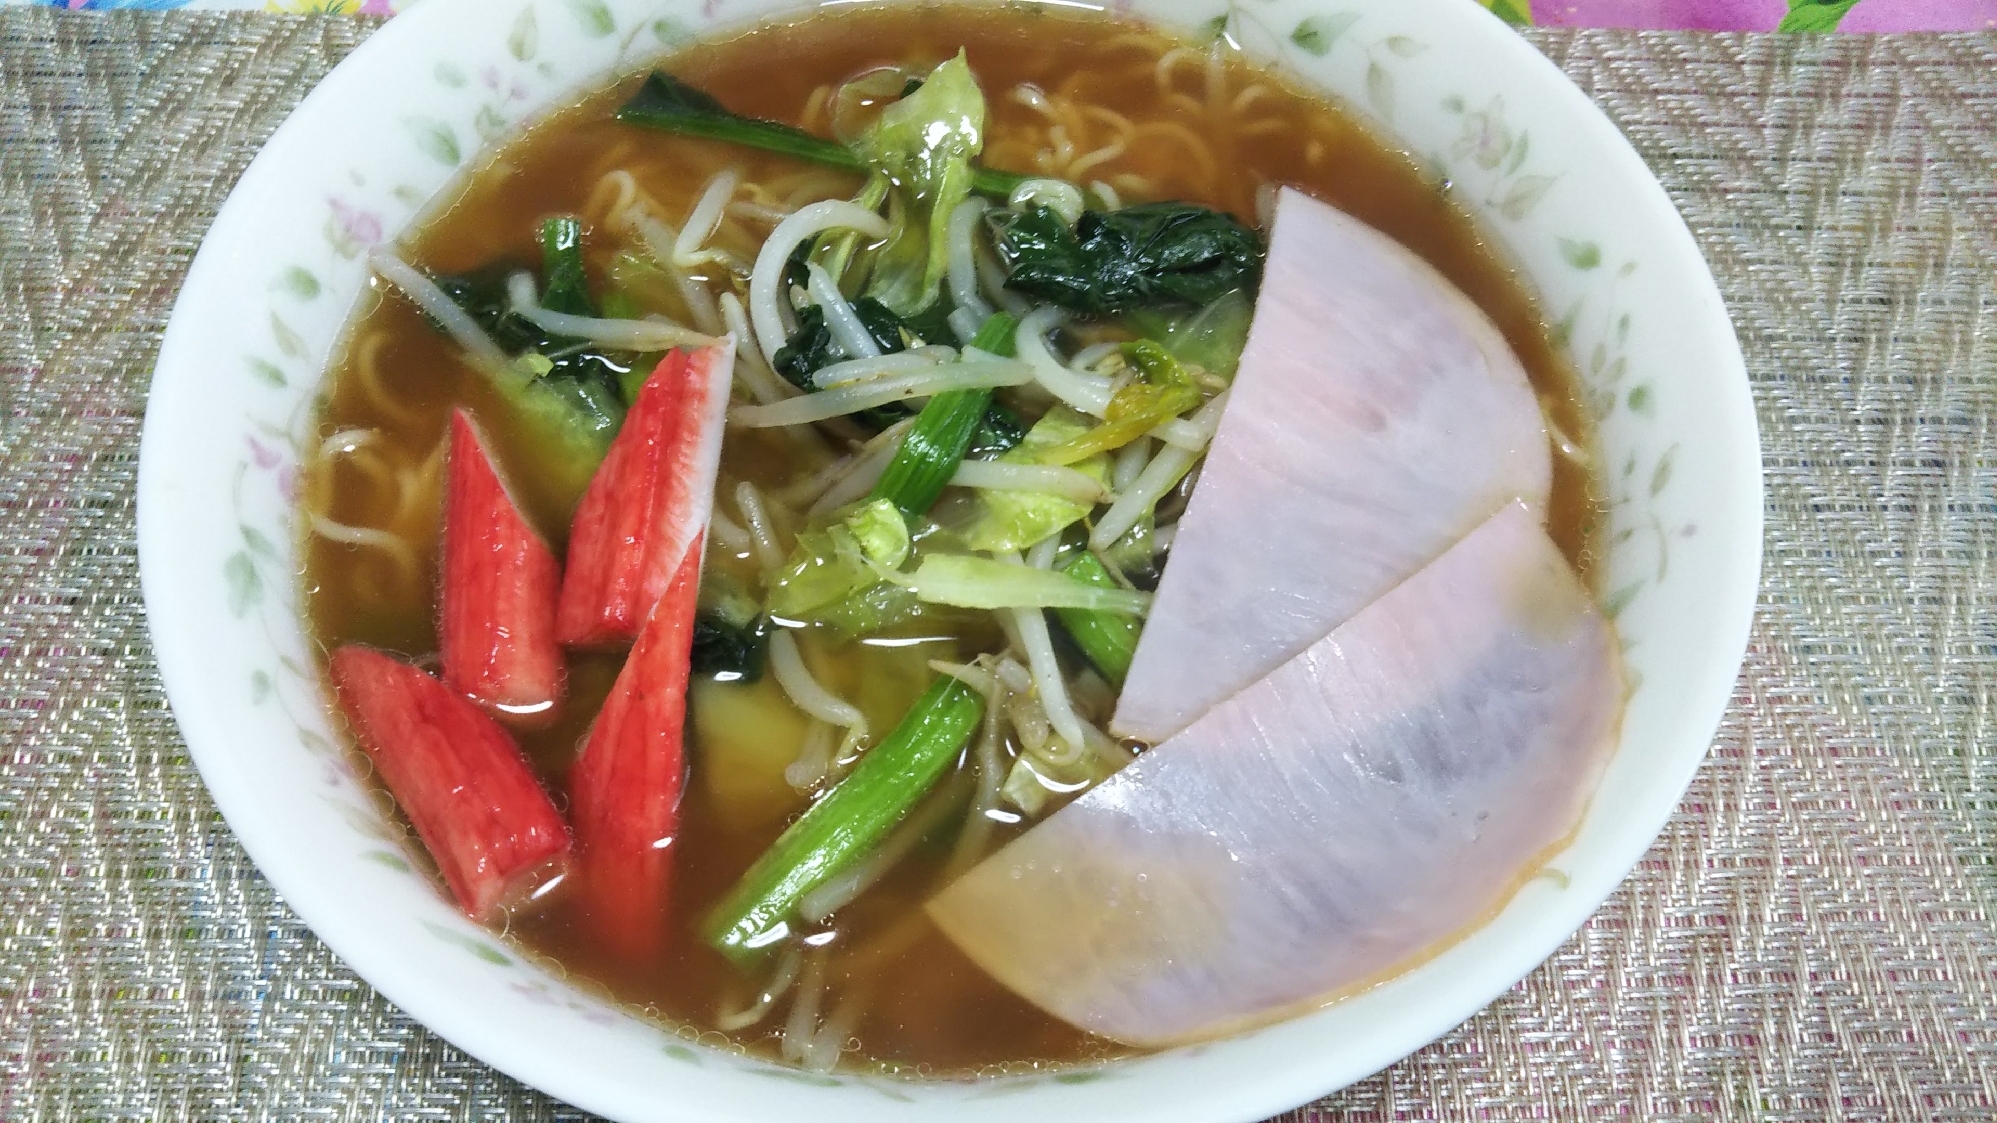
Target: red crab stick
[[457, 775], [497, 623], [649, 500], [625, 788]]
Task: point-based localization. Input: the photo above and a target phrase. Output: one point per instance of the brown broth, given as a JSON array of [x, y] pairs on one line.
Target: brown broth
[[932, 1011]]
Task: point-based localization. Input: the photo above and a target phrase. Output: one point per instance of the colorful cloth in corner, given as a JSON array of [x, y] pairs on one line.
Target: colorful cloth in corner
[[1703, 15]]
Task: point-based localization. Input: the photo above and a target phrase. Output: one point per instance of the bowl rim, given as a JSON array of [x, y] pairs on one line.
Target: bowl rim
[[180, 647]]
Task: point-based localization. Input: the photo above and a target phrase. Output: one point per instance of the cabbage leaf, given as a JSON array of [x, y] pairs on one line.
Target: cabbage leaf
[[922, 146]]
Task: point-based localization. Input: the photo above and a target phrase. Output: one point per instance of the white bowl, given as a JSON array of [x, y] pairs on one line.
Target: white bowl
[[1548, 177]]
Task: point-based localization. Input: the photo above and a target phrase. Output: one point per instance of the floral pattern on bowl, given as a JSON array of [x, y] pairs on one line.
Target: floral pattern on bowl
[[360, 160]]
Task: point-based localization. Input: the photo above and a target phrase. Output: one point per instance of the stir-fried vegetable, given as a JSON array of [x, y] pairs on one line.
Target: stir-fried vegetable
[[567, 288], [730, 633], [1211, 338], [666, 103], [1109, 639], [922, 146], [973, 582], [831, 573], [568, 394], [843, 827], [870, 289], [944, 432], [1161, 391], [918, 153], [1015, 520], [1137, 257], [812, 347]]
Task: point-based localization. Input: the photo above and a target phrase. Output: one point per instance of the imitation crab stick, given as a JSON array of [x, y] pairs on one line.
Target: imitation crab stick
[[649, 500], [496, 624], [462, 781], [625, 788]]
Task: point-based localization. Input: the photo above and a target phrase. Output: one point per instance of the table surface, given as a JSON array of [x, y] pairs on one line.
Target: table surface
[[1814, 936], [1855, 16]]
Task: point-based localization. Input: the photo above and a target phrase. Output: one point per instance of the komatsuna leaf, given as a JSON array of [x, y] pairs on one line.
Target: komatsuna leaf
[[566, 394], [812, 348], [1154, 254], [670, 105]]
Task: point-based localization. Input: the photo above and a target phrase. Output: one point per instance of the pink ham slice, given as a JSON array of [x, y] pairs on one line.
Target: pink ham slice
[[1365, 805], [1377, 417]]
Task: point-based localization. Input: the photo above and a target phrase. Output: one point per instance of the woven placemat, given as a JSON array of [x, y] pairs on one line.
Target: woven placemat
[[1814, 937]]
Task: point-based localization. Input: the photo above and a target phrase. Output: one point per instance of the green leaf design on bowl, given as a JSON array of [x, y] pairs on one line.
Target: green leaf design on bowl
[[469, 943], [1317, 34], [593, 16], [435, 139]]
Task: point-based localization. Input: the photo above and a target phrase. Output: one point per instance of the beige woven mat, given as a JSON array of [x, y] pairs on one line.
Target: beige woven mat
[[1814, 937]]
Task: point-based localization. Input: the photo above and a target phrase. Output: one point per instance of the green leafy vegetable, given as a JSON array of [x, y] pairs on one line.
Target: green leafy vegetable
[[728, 650], [870, 611], [831, 580], [588, 377], [880, 531], [1135, 555], [999, 432], [922, 145], [846, 824], [966, 581], [1211, 338], [825, 567], [1142, 256], [730, 633], [566, 288], [1015, 520], [568, 395], [1161, 391], [831, 564], [666, 103], [1109, 639], [931, 449], [945, 430], [670, 105], [996, 336], [812, 349]]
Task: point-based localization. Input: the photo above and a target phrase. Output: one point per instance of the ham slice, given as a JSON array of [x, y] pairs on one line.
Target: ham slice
[[1377, 417], [1374, 799]]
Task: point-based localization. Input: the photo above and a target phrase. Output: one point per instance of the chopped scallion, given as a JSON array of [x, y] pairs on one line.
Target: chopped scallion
[[847, 824], [566, 288], [933, 446], [1109, 639]]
